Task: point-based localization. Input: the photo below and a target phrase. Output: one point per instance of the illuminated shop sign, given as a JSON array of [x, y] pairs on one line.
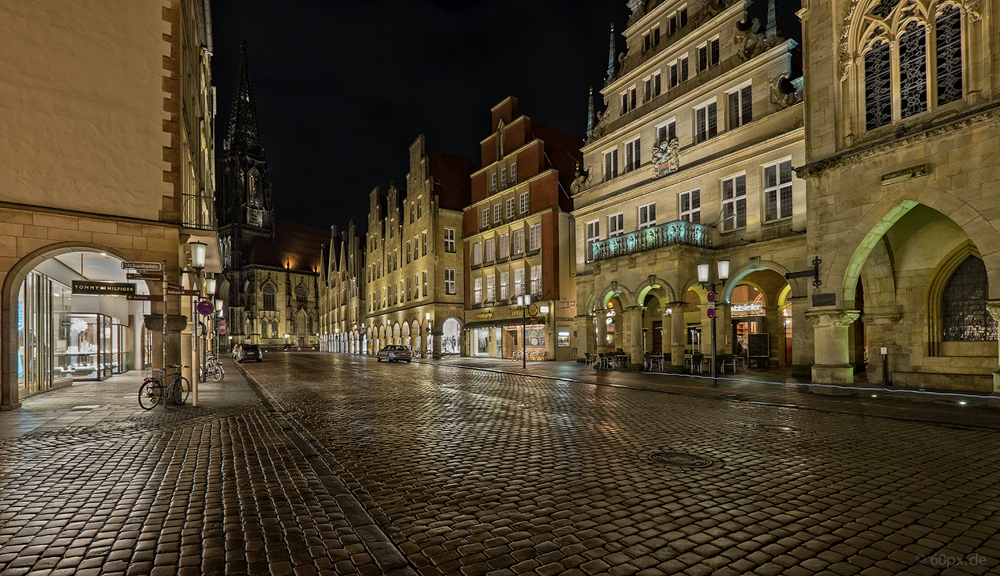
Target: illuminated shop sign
[[747, 308], [103, 288]]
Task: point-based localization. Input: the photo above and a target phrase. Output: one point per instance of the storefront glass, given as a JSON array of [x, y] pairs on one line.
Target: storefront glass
[[43, 327]]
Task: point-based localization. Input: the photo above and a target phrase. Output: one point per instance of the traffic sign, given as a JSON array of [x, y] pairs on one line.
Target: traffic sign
[[711, 297], [142, 266], [146, 297], [205, 308], [181, 292], [144, 276], [711, 313]]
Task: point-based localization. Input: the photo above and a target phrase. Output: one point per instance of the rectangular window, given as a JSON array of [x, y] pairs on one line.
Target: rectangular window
[[449, 280], [682, 17], [491, 287], [535, 237], [778, 191], [518, 242], [684, 68], [494, 180], [513, 173], [420, 208], [486, 218], [690, 209], [424, 276], [490, 250], [409, 289], [408, 252], [423, 245], [647, 41], [477, 253], [504, 283], [503, 177], [497, 213], [647, 89], [449, 240], [477, 293], [610, 164], [647, 216], [672, 25], [624, 96], [411, 213], [518, 281], [705, 123], [632, 155], [702, 57], [510, 208], [666, 132], [525, 203], [674, 75], [536, 280], [505, 246], [416, 249], [631, 98], [655, 33], [734, 202], [657, 84], [593, 235], [713, 52], [615, 225], [740, 107], [416, 286]]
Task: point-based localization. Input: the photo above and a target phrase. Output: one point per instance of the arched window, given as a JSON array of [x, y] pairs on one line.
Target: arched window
[[274, 329], [268, 292], [301, 295], [920, 39], [963, 305]]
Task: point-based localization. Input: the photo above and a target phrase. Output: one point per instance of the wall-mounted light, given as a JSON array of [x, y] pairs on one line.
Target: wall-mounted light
[[218, 306], [210, 286], [198, 255], [703, 273]]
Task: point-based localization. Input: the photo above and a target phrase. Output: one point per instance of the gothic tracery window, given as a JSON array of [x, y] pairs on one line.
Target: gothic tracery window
[[268, 291], [963, 304], [927, 54]]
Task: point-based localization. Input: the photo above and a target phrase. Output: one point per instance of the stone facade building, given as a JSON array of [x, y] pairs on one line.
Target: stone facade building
[[271, 268], [342, 303], [106, 132], [691, 163], [902, 136], [413, 269], [518, 241]]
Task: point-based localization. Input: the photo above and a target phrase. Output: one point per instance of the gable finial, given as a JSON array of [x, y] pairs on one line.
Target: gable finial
[[611, 55]]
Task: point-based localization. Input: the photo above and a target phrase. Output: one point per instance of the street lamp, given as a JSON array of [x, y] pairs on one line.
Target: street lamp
[[723, 275], [523, 302]]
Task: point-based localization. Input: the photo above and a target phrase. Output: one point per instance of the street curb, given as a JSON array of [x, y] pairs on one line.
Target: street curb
[[389, 558]]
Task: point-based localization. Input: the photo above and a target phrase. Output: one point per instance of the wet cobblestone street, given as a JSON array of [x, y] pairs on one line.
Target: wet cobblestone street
[[323, 462]]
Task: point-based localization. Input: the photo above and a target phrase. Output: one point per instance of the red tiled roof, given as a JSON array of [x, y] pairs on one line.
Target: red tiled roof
[[452, 179], [294, 245]]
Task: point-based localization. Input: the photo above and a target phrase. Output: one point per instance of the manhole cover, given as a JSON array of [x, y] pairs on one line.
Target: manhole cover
[[775, 428], [680, 459]]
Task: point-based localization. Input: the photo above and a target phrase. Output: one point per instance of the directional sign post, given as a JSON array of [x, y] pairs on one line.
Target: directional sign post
[[152, 276], [151, 266], [145, 297]]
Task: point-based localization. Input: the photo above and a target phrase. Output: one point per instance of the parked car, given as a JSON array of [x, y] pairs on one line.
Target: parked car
[[249, 352], [395, 353]]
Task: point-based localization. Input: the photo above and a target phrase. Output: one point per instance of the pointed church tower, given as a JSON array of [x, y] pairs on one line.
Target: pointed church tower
[[243, 203]]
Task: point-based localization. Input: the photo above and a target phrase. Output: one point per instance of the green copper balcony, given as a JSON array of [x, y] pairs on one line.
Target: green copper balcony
[[669, 234]]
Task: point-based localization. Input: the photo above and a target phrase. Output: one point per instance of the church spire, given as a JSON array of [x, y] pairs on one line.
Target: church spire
[[243, 135]]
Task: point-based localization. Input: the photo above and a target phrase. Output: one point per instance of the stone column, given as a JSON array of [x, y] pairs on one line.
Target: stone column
[[833, 360], [993, 307], [437, 334], [775, 335], [678, 333], [584, 336], [724, 327], [882, 333], [633, 326], [601, 318], [803, 347]]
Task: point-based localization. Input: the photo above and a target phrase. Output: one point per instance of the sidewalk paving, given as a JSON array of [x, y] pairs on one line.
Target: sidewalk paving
[[92, 484], [773, 387]]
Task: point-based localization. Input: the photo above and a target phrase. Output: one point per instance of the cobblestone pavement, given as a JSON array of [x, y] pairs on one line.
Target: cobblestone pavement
[[476, 472], [92, 484], [337, 464]]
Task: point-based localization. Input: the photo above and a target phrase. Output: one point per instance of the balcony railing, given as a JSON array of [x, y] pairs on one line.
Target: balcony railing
[[199, 212], [669, 234]]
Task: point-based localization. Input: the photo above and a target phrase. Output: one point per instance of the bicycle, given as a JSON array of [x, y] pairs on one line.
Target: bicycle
[[212, 369], [153, 390]]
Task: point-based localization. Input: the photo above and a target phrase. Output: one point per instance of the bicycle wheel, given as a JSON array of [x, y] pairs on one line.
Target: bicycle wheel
[[218, 374], [181, 389], [150, 394]]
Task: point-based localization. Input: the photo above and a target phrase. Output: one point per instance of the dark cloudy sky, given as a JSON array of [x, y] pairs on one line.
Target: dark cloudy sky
[[343, 88]]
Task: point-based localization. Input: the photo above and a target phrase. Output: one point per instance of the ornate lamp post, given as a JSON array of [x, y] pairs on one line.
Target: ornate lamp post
[[523, 302], [723, 274]]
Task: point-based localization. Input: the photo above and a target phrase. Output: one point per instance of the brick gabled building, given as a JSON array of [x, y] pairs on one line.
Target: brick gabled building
[[518, 239]]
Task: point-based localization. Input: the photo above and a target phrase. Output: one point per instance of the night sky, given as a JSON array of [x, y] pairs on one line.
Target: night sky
[[343, 88]]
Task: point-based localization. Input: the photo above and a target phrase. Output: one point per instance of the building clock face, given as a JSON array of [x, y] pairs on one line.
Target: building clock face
[[256, 217]]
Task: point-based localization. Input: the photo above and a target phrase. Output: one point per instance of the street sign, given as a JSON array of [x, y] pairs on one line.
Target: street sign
[[711, 297], [145, 297], [142, 266], [205, 308], [158, 276], [181, 292], [222, 329], [711, 313]]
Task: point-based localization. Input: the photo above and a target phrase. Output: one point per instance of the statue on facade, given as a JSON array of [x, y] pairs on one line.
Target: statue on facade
[[748, 37], [785, 92], [580, 180]]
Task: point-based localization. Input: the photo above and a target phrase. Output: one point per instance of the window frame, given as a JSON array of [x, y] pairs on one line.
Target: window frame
[[477, 254], [449, 283], [647, 221], [449, 241], [777, 189], [711, 109], [735, 202], [517, 242], [619, 228], [744, 106], [593, 234], [610, 164], [534, 237], [693, 213], [633, 154], [524, 202]]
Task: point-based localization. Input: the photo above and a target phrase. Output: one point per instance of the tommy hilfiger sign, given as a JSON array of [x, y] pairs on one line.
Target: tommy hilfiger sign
[[103, 288]]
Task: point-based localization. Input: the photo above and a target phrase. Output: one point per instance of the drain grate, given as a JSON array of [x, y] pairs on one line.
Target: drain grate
[[775, 428], [680, 459]]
